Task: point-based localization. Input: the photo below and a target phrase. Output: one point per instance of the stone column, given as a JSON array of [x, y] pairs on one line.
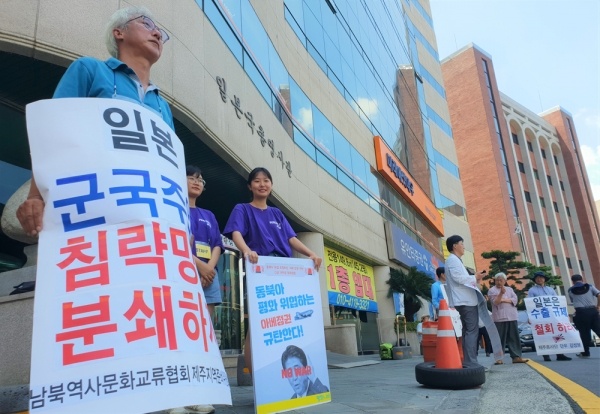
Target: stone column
[[315, 242]]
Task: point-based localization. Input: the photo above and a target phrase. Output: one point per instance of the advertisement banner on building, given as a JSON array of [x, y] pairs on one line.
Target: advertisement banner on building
[[120, 322], [392, 170], [404, 250], [350, 283], [289, 358], [552, 331]]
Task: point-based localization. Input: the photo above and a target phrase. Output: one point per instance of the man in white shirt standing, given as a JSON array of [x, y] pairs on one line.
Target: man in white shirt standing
[[461, 288]]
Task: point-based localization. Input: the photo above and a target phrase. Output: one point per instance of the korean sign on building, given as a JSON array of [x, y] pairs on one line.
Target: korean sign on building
[[120, 321], [289, 358], [552, 331], [350, 282], [404, 250], [390, 167]]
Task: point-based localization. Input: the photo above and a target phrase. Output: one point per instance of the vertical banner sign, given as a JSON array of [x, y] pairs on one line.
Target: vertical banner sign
[[552, 331], [350, 283], [120, 323], [289, 358]]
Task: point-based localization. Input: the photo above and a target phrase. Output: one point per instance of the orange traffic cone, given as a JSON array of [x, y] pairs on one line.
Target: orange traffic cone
[[446, 355]]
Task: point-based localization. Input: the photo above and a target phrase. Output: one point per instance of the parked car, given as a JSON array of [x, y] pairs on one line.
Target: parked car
[[526, 337]]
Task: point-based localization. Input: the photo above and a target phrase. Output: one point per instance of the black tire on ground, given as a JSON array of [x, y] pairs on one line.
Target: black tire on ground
[[469, 376]]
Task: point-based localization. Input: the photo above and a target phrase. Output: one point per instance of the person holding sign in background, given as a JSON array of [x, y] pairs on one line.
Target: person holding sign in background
[[586, 301], [300, 374], [540, 289], [261, 230], [206, 239], [135, 43]]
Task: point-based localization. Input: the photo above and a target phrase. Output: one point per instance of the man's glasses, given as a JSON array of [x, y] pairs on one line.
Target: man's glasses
[[196, 180], [151, 26]]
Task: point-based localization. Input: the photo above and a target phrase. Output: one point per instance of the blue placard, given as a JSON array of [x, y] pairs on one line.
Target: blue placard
[[404, 250], [352, 302]]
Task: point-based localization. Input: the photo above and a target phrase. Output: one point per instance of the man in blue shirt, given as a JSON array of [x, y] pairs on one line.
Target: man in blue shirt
[[136, 43], [436, 290]]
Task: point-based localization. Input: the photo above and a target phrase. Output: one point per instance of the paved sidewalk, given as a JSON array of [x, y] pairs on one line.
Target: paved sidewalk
[[390, 387]]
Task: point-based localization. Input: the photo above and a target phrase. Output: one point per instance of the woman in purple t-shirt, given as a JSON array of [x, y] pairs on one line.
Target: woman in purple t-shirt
[[206, 239], [260, 230]]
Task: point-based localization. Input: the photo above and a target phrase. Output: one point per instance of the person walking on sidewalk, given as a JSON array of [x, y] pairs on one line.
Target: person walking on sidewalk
[[586, 301], [504, 314], [540, 289]]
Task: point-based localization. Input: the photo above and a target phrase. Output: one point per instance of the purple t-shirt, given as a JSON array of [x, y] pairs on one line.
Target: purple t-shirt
[[205, 228], [266, 232]]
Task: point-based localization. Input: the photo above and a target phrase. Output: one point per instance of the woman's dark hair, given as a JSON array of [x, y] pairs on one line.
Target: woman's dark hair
[[192, 171], [256, 171]]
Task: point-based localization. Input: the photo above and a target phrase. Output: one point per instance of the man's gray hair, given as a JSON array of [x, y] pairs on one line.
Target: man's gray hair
[[118, 21], [500, 275]]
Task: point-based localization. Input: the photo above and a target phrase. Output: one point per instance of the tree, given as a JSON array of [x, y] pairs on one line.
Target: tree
[[506, 262], [413, 285]]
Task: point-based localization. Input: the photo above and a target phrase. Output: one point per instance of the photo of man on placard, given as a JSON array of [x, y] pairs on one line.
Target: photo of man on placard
[[300, 373]]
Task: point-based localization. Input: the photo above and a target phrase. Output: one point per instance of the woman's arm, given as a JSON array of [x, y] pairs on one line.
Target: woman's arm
[[240, 243]]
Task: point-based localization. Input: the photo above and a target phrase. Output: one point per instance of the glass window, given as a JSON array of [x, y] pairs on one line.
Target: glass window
[[542, 202], [345, 179], [574, 238], [278, 74], [301, 107], [543, 153], [555, 260], [254, 34], [234, 8], [568, 211], [562, 234], [358, 166], [549, 180], [562, 186], [303, 142], [527, 196], [258, 80], [541, 257], [325, 163], [555, 204], [581, 265], [296, 9], [569, 263], [323, 130], [515, 138], [548, 231], [529, 146], [221, 26], [521, 167], [342, 150], [534, 226], [536, 174], [312, 26]]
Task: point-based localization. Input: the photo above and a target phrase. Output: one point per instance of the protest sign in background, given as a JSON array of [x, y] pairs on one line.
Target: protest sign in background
[[552, 331], [284, 303], [120, 323]]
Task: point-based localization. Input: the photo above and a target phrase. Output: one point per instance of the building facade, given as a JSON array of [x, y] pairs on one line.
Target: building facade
[[341, 100], [524, 180]]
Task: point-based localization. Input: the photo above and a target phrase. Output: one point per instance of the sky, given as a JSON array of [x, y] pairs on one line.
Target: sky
[[546, 53]]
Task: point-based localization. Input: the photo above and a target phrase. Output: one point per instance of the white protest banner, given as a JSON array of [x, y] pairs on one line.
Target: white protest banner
[[120, 322], [550, 325], [288, 339]]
